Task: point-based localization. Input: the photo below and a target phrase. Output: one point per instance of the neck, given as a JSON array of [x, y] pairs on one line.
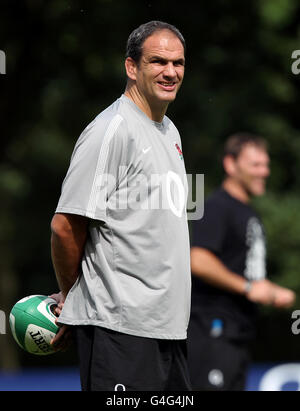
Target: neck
[[236, 190], [154, 112]]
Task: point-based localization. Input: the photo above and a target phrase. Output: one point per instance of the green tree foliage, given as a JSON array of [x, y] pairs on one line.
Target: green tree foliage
[[65, 64]]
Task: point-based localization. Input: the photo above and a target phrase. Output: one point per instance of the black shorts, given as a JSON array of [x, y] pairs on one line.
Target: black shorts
[[111, 361], [216, 363]]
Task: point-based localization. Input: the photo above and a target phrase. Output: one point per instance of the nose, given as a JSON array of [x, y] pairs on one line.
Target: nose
[[169, 70]]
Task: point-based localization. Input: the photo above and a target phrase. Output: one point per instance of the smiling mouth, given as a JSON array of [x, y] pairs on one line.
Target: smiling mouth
[[167, 85]]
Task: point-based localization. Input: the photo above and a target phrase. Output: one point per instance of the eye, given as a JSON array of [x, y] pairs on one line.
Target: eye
[[158, 61], [178, 63]]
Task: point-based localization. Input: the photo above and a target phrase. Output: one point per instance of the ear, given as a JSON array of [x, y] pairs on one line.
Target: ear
[[229, 164], [131, 68]]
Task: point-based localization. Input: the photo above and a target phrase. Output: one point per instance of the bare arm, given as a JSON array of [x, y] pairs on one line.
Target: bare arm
[[210, 269], [69, 233]]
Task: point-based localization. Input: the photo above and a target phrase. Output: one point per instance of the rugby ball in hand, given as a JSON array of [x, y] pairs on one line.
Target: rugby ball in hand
[[32, 324]]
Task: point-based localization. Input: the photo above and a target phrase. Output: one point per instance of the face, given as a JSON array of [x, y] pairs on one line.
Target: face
[[160, 71], [251, 169]]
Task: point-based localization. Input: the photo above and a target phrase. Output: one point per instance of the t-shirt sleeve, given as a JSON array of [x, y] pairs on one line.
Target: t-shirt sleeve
[[94, 171], [209, 232]]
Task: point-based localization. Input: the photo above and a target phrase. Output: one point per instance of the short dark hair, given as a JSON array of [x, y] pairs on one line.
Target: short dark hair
[[236, 142], [138, 36]]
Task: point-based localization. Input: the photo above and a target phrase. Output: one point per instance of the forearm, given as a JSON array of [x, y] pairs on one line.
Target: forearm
[[210, 269], [66, 262], [67, 245]]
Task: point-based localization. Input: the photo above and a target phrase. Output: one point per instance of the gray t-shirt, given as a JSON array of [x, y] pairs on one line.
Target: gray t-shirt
[[127, 175]]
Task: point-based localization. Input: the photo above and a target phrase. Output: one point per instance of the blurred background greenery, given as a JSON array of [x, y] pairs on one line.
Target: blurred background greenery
[[65, 63]]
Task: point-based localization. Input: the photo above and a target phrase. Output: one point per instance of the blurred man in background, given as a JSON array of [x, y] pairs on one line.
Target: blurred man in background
[[123, 267], [228, 262]]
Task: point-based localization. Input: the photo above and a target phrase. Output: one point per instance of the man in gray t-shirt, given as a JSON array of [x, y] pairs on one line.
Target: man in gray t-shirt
[[120, 243]]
